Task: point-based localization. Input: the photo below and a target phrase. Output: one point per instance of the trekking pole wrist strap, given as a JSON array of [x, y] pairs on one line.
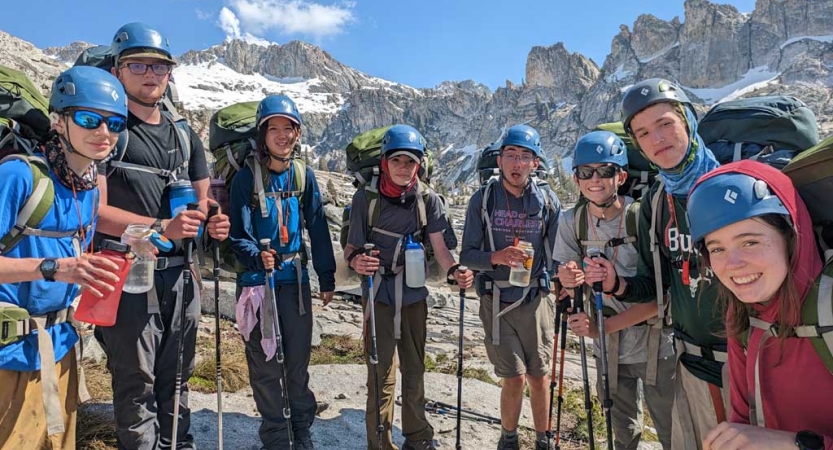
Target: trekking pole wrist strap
[[353, 256], [449, 276], [616, 287]]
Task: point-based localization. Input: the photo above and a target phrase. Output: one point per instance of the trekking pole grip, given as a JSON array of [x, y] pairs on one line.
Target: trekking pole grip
[[213, 210]]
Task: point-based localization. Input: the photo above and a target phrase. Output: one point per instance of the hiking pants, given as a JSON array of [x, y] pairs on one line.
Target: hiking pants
[[23, 420], [626, 412], [142, 351], [693, 415], [265, 376], [411, 353]]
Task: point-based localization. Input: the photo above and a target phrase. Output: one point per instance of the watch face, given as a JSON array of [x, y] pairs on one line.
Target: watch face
[[49, 265], [809, 440]]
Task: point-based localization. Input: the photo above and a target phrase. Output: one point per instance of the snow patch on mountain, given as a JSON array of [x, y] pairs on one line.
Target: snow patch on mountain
[[755, 78], [827, 39], [214, 85]]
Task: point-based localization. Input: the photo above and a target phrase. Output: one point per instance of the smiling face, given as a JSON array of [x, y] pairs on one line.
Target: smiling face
[[147, 87], [516, 164], [92, 144], [662, 134], [599, 190], [750, 258], [281, 136], [402, 169]]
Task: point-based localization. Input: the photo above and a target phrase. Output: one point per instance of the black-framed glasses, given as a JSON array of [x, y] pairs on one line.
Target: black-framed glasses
[[91, 121], [137, 68], [586, 172]]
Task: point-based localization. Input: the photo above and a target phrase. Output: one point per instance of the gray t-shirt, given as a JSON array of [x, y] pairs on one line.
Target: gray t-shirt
[[510, 216], [399, 218], [633, 341]]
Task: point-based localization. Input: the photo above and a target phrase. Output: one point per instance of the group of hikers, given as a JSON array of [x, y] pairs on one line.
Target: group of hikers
[[696, 290]]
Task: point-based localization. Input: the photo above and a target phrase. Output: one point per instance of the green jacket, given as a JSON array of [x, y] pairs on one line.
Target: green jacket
[[697, 313]]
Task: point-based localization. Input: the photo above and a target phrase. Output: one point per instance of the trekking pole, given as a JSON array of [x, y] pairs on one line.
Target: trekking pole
[[265, 245], [578, 306], [553, 382], [594, 252], [563, 344], [213, 210], [460, 360], [374, 353], [186, 286]]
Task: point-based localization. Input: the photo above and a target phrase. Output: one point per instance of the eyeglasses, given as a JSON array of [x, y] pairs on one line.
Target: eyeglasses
[[526, 159], [586, 172], [142, 68], [91, 121]]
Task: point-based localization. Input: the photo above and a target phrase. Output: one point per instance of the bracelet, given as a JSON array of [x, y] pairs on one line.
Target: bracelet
[[616, 287], [353, 256]]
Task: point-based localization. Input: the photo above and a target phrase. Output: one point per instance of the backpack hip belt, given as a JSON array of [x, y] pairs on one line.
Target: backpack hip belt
[[706, 353], [823, 330], [12, 331], [495, 286]]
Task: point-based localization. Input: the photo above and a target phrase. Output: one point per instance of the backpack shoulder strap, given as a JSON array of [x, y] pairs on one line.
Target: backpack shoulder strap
[[259, 178], [656, 204], [37, 205], [183, 135], [817, 317], [632, 220], [300, 169], [485, 212]]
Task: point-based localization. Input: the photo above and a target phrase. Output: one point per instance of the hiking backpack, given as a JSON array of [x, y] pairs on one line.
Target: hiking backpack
[[232, 138], [24, 125], [363, 159], [641, 173], [770, 129]]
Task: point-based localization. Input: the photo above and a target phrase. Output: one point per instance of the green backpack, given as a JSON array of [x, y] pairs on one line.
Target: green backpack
[[363, 159], [232, 137], [641, 173], [24, 124]]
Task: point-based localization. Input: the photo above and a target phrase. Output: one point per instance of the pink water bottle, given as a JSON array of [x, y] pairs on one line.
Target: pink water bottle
[[103, 310]]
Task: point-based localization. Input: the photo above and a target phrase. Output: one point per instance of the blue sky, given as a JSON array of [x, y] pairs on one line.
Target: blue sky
[[420, 43]]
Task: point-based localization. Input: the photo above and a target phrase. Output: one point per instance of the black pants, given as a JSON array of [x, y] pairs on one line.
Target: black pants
[[142, 351], [265, 376]]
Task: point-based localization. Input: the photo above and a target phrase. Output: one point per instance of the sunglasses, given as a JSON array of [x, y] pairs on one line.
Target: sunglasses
[[91, 121], [142, 68], [586, 172]]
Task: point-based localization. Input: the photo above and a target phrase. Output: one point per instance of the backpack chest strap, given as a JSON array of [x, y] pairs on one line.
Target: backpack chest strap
[[170, 175]]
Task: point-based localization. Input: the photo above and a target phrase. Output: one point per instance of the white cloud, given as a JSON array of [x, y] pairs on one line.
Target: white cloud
[[230, 24], [251, 18]]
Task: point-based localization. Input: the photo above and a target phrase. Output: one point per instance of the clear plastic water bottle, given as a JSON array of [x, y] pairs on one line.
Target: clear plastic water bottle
[[414, 264], [140, 277], [521, 274]]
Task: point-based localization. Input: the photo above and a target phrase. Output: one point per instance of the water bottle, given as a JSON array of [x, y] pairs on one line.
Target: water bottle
[[140, 278], [414, 264], [521, 274], [181, 194], [103, 310]]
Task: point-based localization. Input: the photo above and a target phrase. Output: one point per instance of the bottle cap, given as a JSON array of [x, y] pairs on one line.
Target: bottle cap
[[108, 244]]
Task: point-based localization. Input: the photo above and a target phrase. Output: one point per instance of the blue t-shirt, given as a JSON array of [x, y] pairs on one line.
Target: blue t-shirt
[[41, 297]]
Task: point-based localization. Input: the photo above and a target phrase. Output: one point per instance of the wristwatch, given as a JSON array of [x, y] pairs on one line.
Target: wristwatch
[[808, 440], [158, 226], [48, 267]]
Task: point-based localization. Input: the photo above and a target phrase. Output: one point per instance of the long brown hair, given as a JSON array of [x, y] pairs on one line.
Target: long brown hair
[[789, 313]]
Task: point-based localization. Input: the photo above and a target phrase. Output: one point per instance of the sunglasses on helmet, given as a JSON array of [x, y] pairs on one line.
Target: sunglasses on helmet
[[586, 172], [91, 121], [141, 68]]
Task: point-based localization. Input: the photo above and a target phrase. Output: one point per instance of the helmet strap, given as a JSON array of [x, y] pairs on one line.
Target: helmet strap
[[604, 207], [143, 103]]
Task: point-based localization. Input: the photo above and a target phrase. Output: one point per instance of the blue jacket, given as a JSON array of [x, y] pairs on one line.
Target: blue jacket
[[248, 226], [41, 297]]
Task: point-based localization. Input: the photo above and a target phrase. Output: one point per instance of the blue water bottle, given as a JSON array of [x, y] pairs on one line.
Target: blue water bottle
[[181, 194]]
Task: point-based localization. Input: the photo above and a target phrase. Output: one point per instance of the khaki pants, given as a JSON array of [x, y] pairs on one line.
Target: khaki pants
[[693, 413], [411, 352], [23, 421]]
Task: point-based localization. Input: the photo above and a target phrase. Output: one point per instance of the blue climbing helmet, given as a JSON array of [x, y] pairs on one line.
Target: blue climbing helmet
[[728, 198], [646, 93], [599, 147], [88, 87], [405, 138], [277, 105], [141, 41], [523, 136]]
